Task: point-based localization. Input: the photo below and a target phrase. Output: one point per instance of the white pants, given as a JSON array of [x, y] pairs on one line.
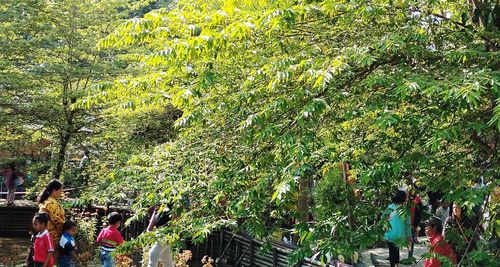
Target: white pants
[[160, 252]]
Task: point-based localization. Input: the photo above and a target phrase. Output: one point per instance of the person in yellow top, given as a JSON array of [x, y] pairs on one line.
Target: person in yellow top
[[48, 203]]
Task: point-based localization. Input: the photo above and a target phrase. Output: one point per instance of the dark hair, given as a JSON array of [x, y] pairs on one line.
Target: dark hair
[[399, 197], [51, 186], [439, 226], [114, 217], [68, 225], [41, 217]]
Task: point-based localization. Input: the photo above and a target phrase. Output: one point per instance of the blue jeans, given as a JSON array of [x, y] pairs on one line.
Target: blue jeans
[[106, 258], [66, 261]]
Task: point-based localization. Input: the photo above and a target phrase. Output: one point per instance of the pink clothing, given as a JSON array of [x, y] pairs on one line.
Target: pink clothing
[[9, 178], [110, 237], [42, 247]]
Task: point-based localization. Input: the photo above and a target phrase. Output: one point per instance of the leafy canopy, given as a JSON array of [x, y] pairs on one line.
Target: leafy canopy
[[275, 93]]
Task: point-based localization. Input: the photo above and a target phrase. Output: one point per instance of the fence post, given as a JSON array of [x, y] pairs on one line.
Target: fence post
[[275, 258], [251, 252], [221, 242]]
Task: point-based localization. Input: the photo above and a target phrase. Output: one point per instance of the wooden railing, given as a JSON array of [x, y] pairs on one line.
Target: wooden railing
[[229, 249]]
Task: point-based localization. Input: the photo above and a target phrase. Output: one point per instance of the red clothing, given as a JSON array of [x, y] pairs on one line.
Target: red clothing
[[42, 247], [440, 247], [110, 237], [415, 202]]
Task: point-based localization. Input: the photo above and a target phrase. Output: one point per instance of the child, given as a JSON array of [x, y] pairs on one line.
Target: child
[[43, 248], [109, 238], [67, 245], [433, 229]]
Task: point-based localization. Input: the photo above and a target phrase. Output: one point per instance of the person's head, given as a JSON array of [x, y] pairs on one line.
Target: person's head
[[40, 221], [444, 204], [70, 228], [433, 226], [53, 189], [114, 219], [399, 197], [457, 211]]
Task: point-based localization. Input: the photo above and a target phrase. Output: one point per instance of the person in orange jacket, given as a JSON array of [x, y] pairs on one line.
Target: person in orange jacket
[[438, 247]]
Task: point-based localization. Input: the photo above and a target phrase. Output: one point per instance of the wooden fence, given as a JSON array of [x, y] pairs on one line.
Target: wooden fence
[[229, 249]]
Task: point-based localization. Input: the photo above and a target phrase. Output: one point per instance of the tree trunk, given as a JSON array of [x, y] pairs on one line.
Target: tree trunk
[[303, 201], [61, 156]]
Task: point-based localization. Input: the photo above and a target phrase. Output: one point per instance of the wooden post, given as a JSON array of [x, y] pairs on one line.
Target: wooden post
[[275, 258], [251, 252]]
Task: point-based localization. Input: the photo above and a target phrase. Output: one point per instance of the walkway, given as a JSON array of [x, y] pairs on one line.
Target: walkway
[[377, 257]]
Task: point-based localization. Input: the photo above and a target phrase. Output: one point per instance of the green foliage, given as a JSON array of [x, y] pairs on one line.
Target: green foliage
[[268, 97], [275, 92]]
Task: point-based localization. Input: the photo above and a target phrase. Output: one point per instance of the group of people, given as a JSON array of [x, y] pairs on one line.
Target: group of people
[[54, 236], [450, 235]]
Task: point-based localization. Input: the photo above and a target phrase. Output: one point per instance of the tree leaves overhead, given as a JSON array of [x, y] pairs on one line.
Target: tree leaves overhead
[[274, 93]]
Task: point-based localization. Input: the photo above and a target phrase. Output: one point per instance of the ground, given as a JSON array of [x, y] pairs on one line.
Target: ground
[[377, 256]]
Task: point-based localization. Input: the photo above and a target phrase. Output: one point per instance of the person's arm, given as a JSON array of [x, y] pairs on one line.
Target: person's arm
[[446, 227], [73, 255], [99, 237], [152, 222], [46, 262], [48, 244], [120, 239], [409, 226], [68, 248]]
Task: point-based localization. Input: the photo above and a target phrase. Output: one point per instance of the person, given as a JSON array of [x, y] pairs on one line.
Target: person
[[48, 203], [434, 197], [43, 247], [438, 247], [81, 168], [460, 230], [28, 262], [160, 251], [109, 238], [416, 210], [443, 210], [84, 160], [400, 226], [67, 245], [10, 181]]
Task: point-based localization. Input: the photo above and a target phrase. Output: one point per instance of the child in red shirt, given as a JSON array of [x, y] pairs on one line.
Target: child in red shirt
[[433, 229], [109, 238], [43, 247]]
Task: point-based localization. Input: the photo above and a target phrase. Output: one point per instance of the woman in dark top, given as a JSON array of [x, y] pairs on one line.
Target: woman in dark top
[[460, 230]]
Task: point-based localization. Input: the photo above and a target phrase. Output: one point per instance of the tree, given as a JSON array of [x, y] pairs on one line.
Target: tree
[[49, 60], [274, 92]]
